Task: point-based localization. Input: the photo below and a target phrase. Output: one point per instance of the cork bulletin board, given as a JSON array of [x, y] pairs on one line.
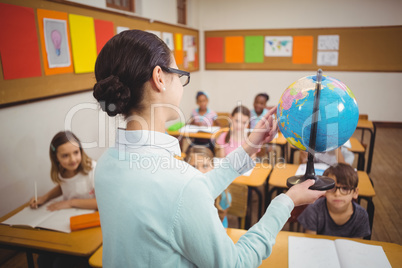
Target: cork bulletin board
[[366, 49], [28, 71]]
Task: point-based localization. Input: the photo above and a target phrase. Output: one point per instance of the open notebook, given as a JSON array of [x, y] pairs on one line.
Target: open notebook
[[339, 253], [58, 220]]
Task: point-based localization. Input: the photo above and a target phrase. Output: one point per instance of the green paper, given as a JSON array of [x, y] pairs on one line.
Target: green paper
[[254, 49]]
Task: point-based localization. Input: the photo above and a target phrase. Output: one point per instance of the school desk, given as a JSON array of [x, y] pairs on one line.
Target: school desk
[[81, 243], [367, 125], [279, 256], [281, 172], [282, 143], [356, 147], [257, 178]]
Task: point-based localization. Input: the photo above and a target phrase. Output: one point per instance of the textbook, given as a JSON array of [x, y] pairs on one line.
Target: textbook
[[41, 217], [339, 253]]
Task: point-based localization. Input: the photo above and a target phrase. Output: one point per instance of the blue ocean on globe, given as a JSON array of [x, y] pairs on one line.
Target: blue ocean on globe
[[337, 118]]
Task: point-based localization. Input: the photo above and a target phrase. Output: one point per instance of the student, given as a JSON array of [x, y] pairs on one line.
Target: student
[[337, 214], [203, 116], [73, 172], [260, 104], [236, 136], [155, 211], [202, 159]]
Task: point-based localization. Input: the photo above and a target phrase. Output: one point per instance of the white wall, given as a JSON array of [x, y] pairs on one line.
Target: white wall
[[378, 94]]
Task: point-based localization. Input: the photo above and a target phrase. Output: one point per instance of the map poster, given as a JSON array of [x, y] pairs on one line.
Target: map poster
[[278, 46]]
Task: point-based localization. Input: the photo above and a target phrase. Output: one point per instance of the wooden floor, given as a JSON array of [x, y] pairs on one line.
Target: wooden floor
[[386, 174]]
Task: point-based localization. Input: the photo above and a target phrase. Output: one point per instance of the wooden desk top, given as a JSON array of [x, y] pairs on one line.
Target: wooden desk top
[[79, 243], [257, 177], [356, 146], [279, 256], [282, 172], [196, 135], [363, 123]]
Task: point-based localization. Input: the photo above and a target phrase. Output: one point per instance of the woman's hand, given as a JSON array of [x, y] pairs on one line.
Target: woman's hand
[[60, 205], [36, 203], [264, 132], [302, 195]]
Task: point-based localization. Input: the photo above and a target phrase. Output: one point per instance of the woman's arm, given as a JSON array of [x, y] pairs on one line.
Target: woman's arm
[[199, 236], [74, 203]]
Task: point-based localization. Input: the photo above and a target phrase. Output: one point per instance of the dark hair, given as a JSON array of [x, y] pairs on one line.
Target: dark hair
[[59, 139], [264, 95], [123, 66], [239, 109], [201, 150], [345, 174], [201, 93]]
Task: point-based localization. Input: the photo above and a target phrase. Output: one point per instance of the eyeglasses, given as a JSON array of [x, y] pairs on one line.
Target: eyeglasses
[[183, 75], [344, 190]]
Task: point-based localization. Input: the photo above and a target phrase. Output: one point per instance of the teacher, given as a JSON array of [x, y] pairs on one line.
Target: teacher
[[155, 210]]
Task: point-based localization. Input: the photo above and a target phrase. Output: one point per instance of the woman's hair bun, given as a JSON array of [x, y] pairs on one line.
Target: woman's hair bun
[[112, 95]]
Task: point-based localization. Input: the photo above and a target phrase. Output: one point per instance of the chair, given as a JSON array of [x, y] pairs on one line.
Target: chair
[[223, 119], [293, 218], [238, 206]]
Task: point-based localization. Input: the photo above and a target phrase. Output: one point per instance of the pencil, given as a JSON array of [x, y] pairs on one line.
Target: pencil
[[36, 194]]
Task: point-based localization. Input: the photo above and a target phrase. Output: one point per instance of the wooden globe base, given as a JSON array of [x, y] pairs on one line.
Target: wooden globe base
[[322, 183]]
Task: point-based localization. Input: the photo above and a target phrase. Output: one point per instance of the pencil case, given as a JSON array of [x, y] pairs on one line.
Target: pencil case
[[84, 221]]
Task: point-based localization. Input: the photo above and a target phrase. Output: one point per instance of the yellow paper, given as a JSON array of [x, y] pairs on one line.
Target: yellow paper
[[179, 41], [83, 43]]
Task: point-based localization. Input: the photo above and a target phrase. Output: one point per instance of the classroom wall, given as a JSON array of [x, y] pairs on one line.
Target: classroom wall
[[28, 128], [377, 94]]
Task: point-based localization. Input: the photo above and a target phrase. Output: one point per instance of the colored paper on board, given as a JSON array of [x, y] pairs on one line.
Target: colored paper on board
[[19, 49], [302, 49], [234, 49], [179, 56], [254, 51], [103, 32], [168, 39], [83, 43], [214, 50], [278, 46], [178, 38], [55, 41]]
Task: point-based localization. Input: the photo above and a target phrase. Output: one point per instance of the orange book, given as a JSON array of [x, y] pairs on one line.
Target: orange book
[[84, 221]]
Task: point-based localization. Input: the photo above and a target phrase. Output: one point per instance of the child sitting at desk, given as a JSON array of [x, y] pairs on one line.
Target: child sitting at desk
[[231, 140], [73, 172], [260, 104], [337, 214], [203, 116], [202, 159]]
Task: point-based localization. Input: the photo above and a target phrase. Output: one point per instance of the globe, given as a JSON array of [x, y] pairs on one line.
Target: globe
[[337, 115]]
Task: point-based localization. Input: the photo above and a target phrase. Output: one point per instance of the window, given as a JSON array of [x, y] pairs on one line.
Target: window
[[182, 11], [126, 5]]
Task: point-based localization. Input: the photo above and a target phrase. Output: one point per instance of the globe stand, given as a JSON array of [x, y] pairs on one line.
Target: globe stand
[[322, 183]]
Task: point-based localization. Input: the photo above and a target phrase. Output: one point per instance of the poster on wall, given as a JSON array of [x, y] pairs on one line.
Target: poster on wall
[[278, 46], [56, 42]]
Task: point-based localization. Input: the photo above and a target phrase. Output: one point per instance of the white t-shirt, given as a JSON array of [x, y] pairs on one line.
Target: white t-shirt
[[80, 186]]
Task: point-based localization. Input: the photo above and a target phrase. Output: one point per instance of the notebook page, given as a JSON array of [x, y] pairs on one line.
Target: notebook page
[[355, 254], [307, 252]]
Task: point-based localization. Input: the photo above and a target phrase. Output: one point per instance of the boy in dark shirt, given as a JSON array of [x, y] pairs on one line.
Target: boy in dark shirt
[[337, 214]]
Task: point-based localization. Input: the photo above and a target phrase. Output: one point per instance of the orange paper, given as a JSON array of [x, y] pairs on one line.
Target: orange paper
[[42, 13], [234, 49], [303, 49], [179, 56]]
